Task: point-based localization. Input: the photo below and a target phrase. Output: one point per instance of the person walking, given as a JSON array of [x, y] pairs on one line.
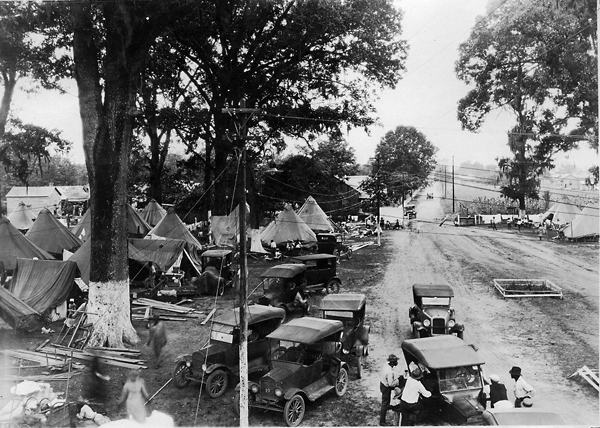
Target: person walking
[[497, 391], [134, 395], [388, 380], [409, 401], [95, 389], [157, 337], [521, 388]]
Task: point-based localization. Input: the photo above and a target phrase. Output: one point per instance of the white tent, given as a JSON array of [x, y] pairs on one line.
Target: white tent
[[561, 212], [255, 244], [288, 226], [315, 217], [585, 224]]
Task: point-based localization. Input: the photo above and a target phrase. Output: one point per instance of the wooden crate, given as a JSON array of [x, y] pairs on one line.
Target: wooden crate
[[527, 288]]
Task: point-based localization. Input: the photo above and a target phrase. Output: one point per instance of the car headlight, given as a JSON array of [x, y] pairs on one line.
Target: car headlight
[[345, 351], [427, 322], [451, 323], [278, 392], [203, 367], [188, 363], [254, 388]]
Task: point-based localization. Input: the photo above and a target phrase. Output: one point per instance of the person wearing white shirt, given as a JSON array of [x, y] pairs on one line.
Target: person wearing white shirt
[[390, 373], [521, 388], [409, 401]]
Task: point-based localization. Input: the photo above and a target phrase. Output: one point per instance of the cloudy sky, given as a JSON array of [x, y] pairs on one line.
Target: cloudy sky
[[426, 97]]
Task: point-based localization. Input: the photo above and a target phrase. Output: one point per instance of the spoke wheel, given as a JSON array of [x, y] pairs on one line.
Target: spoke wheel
[[181, 374], [333, 286], [349, 253], [341, 383], [216, 384], [236, 403], [293, 411]]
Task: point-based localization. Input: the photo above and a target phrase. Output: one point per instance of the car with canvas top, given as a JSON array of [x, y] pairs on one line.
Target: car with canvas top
[[432, 314]]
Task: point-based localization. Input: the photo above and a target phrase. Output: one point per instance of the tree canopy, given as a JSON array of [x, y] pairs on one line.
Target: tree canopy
[[540, 64]]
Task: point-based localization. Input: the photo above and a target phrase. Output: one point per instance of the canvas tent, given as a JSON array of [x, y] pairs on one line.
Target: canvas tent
[[225, 229], [255, 245], [82, 229], [171, 227], [22, 218], [43, 284], [136, 225], [315, 217], [288, 226], [164, 253], [586, 224], [51, 235], [153, 213], [561, 213], [13, 245], [17, 313]]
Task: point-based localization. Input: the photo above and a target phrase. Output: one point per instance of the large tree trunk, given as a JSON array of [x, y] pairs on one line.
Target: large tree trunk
[[107, 131]]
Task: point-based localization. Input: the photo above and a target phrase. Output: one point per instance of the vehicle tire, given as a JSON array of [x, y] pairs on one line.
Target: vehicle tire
[[460, 334], [341, 382], [366, 350], [181, 374], [285, 315], [349, 253], [216, 383], [333, 286], [359, 367], [221, 288], [415, 333], [338, 256], [236, 403], [293, 411]]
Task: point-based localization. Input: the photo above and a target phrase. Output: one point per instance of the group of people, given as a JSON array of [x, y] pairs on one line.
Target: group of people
[[403, 392]]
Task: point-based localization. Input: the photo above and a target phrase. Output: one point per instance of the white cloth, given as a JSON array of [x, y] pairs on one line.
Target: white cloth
[[412, 390], [522, 389], [389, 375]]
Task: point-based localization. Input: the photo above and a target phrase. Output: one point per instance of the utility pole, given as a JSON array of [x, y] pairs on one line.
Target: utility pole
[[445, 182], [241, 130], [453, 210], [378, 228]]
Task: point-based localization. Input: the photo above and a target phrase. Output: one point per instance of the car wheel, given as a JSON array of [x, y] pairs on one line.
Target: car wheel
[[341, 383], [349, 253], [359, 368], [366, 350], [415, 333], [181, 375], [333, 286], [216, 383], [285, 314], [460, 334], [338, 256], [293, 411], [221, 288], [236, 403]]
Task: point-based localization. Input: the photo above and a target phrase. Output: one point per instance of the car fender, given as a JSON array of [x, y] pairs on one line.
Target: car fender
[[186, 357], [293, 391], [364, 335], [457, 327], [213, 367], [419, 325]]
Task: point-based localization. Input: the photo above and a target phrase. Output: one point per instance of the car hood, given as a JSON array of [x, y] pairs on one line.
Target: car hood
[[437, 312], [279, 374]]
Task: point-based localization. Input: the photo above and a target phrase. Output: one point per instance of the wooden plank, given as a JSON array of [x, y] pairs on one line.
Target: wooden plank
[[209, 316], [121, 362], [42, 345]]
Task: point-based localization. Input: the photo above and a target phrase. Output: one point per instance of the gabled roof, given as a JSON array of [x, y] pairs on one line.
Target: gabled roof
[[51, 235], [16, 245], [314, 216], [22, 217], [31, 192], [171, 226]]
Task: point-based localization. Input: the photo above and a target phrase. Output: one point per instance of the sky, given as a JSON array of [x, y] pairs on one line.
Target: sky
[[425, 98]]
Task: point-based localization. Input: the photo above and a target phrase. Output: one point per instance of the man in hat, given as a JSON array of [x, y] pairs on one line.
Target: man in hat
[[521, 388], [390, 374], [497, 390], [409, 401]]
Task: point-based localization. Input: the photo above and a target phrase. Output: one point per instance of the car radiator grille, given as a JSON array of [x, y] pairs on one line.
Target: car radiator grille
[[438, 326], [267, 388]]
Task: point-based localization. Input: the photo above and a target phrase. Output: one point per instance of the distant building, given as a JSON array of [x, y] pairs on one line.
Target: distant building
[[354, 181], [51, 197], [569, 181]]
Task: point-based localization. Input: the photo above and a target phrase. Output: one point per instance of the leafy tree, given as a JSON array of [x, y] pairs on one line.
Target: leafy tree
[[311, 64], [404, 159], [28, 149], [535, 62], [335, 156], [592, 180], [61, 171]]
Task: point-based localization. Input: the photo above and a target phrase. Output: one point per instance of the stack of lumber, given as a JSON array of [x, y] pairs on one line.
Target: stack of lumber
[[40, 359], [120, 357], [153, 307]]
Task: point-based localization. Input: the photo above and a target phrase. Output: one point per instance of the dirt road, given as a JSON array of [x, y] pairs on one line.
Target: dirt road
[[548, 338]]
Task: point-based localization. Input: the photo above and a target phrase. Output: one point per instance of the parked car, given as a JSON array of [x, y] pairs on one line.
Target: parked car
[[410, 211], [215, 362], [321, 272], [222, 262], [350, 309], [280, 284], [432, 315], [333, 243], [305, 366], [521, 417], [452, 373]]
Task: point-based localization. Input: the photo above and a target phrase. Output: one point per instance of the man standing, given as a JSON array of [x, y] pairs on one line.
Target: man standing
[[409, 402], [157, 337], [387, 382], [521, 388], [497, 390]]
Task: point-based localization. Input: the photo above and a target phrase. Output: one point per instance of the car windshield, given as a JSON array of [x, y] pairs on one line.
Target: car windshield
[[273, 283], [436, 301], [459, 378], [222, 333]]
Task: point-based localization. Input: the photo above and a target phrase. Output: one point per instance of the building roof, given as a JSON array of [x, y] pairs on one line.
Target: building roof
[[355, 181], [31, 192]]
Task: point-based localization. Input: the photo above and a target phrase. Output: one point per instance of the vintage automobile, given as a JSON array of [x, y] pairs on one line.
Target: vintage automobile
[[431, 315], [410, 211], [305, 366], [521, 417], [280, 284], [350, 309], [333, 243], [452, 372], [219, 358], [222, 261], [321, 272]]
